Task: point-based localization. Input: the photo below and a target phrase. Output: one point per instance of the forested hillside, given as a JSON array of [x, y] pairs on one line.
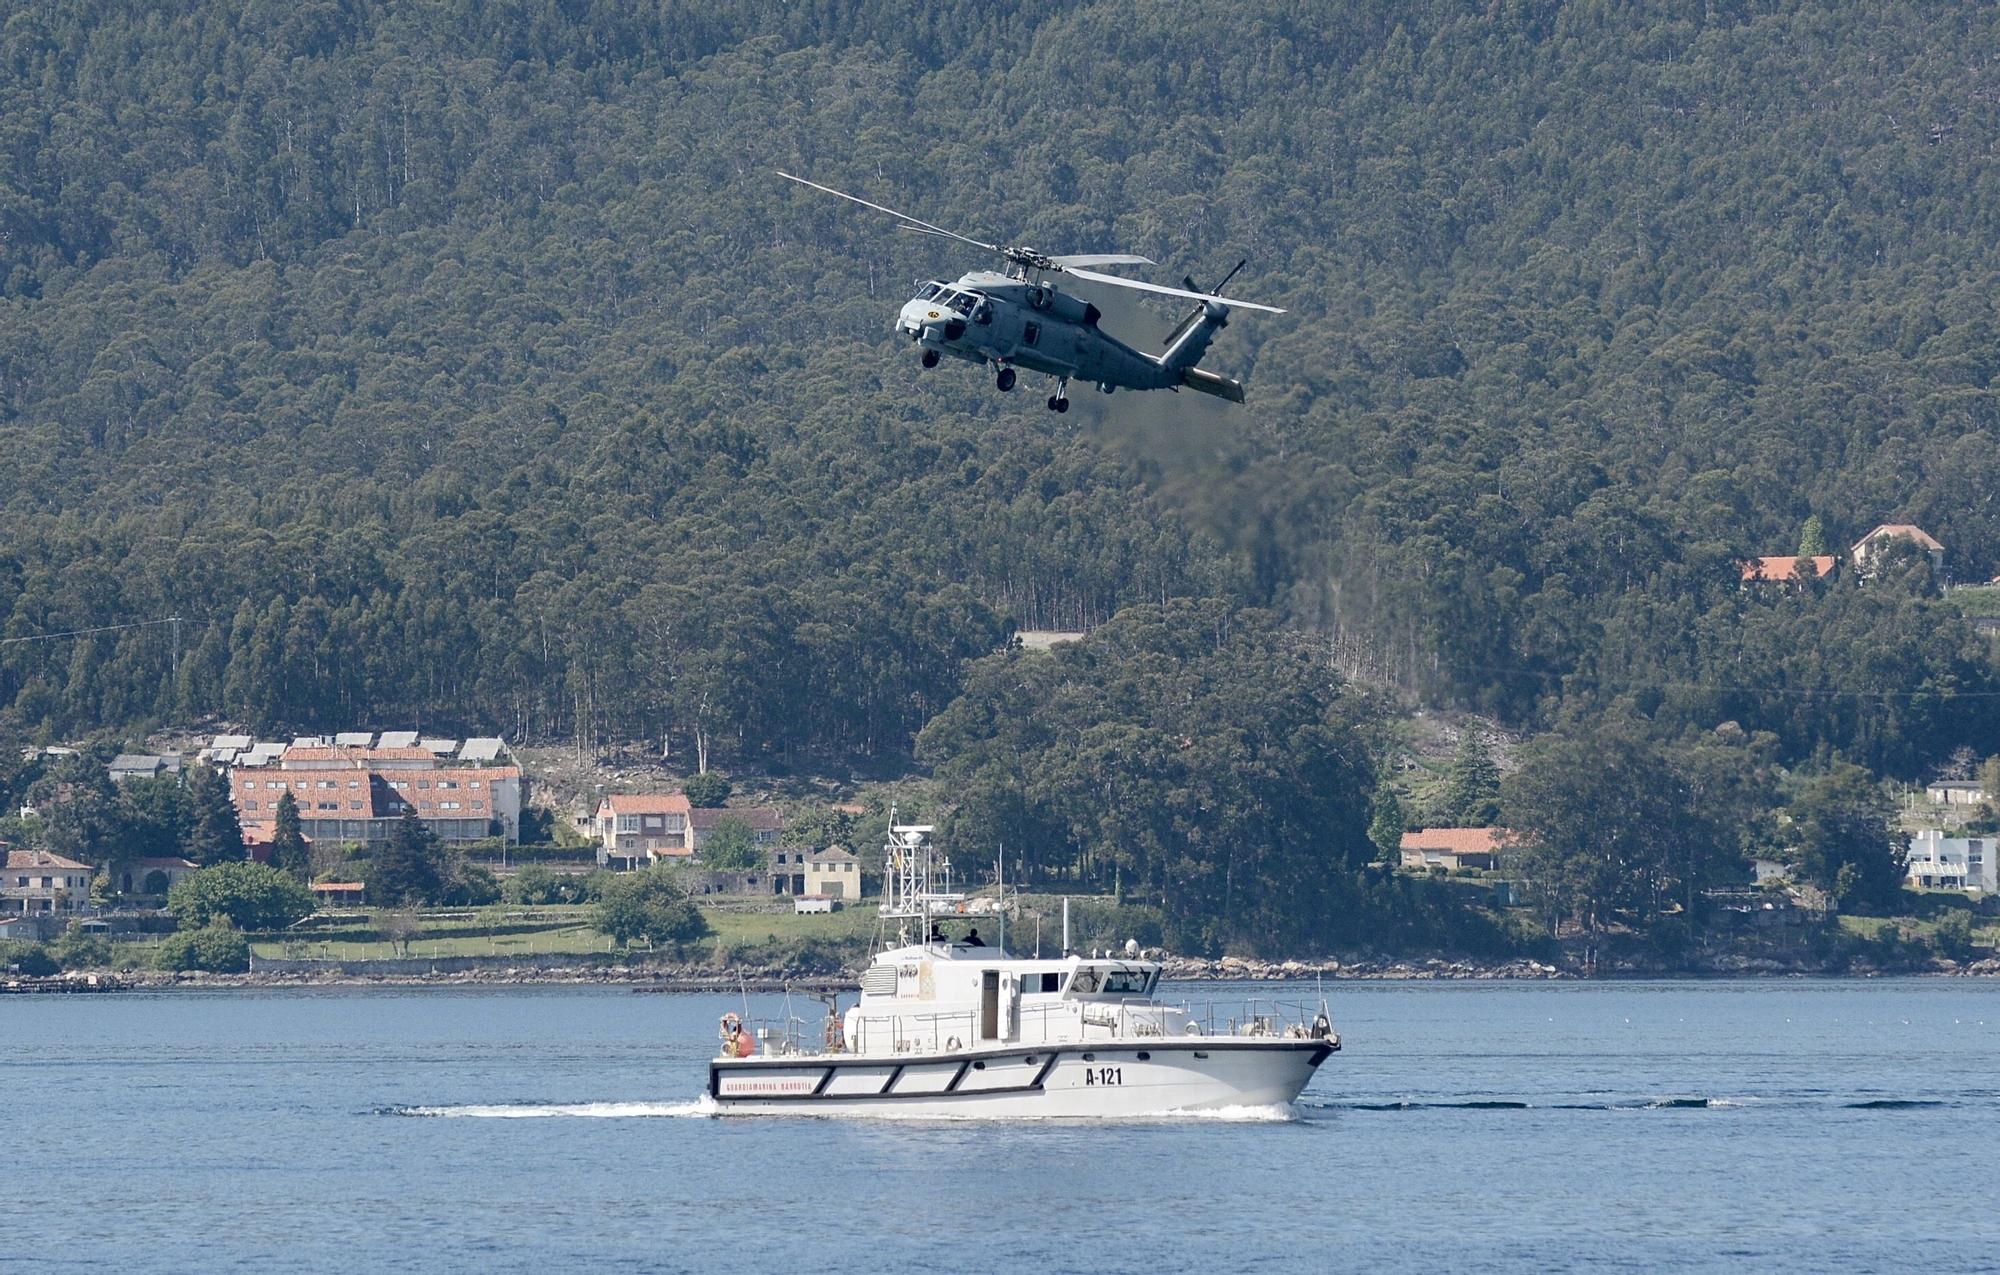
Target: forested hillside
[[464, 364]]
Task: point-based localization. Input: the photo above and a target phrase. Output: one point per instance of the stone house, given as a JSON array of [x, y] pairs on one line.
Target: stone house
[[835, 873]]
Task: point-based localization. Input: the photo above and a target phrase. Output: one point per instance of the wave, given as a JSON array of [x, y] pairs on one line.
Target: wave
[[701, 1107], [1470, 1104], [1897, 1104], [1509, 1104]]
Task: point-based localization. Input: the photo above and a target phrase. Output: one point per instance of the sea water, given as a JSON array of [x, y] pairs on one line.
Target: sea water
[[1756, 1125]]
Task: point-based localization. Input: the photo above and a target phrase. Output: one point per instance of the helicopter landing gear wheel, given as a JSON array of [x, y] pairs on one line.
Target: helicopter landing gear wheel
[[1004, 381], [1059, 401], [930, 358]]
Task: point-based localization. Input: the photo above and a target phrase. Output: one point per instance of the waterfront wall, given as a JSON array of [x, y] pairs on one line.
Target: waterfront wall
[[406, 966]]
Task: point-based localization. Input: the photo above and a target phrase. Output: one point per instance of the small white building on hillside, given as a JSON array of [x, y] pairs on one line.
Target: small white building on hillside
[[1956, 792]]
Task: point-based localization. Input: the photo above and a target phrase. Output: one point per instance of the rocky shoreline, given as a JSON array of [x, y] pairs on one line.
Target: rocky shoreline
[[698, 978]]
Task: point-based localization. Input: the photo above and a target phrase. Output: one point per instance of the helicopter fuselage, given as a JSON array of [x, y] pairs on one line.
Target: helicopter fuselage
[[1012, 322]]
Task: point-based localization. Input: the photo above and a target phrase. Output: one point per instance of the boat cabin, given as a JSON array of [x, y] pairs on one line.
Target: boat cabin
[[947, 994]]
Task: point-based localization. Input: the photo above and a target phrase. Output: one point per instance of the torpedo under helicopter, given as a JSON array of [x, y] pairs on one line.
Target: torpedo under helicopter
[[1021, 320]]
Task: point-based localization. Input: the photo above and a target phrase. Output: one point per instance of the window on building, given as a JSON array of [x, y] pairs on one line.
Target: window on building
[[475, 783], [423, 783], [273, 783], [249, 805]]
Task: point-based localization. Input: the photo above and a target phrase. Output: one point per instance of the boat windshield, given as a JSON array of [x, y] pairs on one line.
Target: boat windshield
[[1099, 980], [1127, 982]]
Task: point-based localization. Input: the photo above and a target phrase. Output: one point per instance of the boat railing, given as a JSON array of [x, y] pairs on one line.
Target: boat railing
[[935, 1032], [1260, 1016]]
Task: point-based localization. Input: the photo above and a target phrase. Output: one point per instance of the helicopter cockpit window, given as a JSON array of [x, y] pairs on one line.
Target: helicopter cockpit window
[[930, 292]]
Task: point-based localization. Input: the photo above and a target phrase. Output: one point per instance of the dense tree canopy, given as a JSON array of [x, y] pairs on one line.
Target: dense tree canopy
[[650, 906], [1190, 756], [1610, 823], [248, 896], [467, 366]]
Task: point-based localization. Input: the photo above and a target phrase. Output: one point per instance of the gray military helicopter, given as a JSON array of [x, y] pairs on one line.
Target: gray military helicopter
[[1020, 319]]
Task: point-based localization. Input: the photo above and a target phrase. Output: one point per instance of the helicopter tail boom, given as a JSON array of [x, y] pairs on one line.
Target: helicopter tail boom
[[1209, 383]]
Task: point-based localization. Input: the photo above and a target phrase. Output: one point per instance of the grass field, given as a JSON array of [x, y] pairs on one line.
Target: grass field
[[1981, 599], [554, 930]]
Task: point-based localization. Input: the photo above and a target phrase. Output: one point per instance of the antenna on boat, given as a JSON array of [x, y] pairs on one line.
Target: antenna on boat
[[1065, 925], [916, 880]]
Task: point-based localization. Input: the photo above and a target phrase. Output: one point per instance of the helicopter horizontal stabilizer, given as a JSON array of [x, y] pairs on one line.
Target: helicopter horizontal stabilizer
[[1209, 383]]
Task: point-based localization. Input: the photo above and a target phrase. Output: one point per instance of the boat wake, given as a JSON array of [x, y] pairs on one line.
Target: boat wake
[[1508, 1104], [701, 1107]]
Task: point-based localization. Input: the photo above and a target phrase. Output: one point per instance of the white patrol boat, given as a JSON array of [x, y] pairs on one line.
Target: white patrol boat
[[949, 1025]]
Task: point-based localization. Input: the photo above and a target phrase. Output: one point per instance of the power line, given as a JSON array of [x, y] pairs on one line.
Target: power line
[[102, 628]]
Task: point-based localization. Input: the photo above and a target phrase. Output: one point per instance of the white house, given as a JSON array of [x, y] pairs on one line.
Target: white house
[[35, 881], [1938, 862], [1869, 548]]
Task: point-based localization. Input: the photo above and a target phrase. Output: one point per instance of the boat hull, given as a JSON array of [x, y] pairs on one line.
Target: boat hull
[[1126, 1078]]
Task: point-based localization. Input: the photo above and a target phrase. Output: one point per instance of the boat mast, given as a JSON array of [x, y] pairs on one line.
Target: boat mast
[[916, 879]]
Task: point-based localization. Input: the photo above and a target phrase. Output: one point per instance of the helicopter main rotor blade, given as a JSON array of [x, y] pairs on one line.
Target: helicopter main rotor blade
[[913, 223], [1140, 286], [1070, 261]]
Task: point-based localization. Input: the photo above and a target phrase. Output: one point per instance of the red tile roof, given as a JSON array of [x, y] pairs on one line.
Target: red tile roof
[[1781, 568], [1458, 840], [645, 803]]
